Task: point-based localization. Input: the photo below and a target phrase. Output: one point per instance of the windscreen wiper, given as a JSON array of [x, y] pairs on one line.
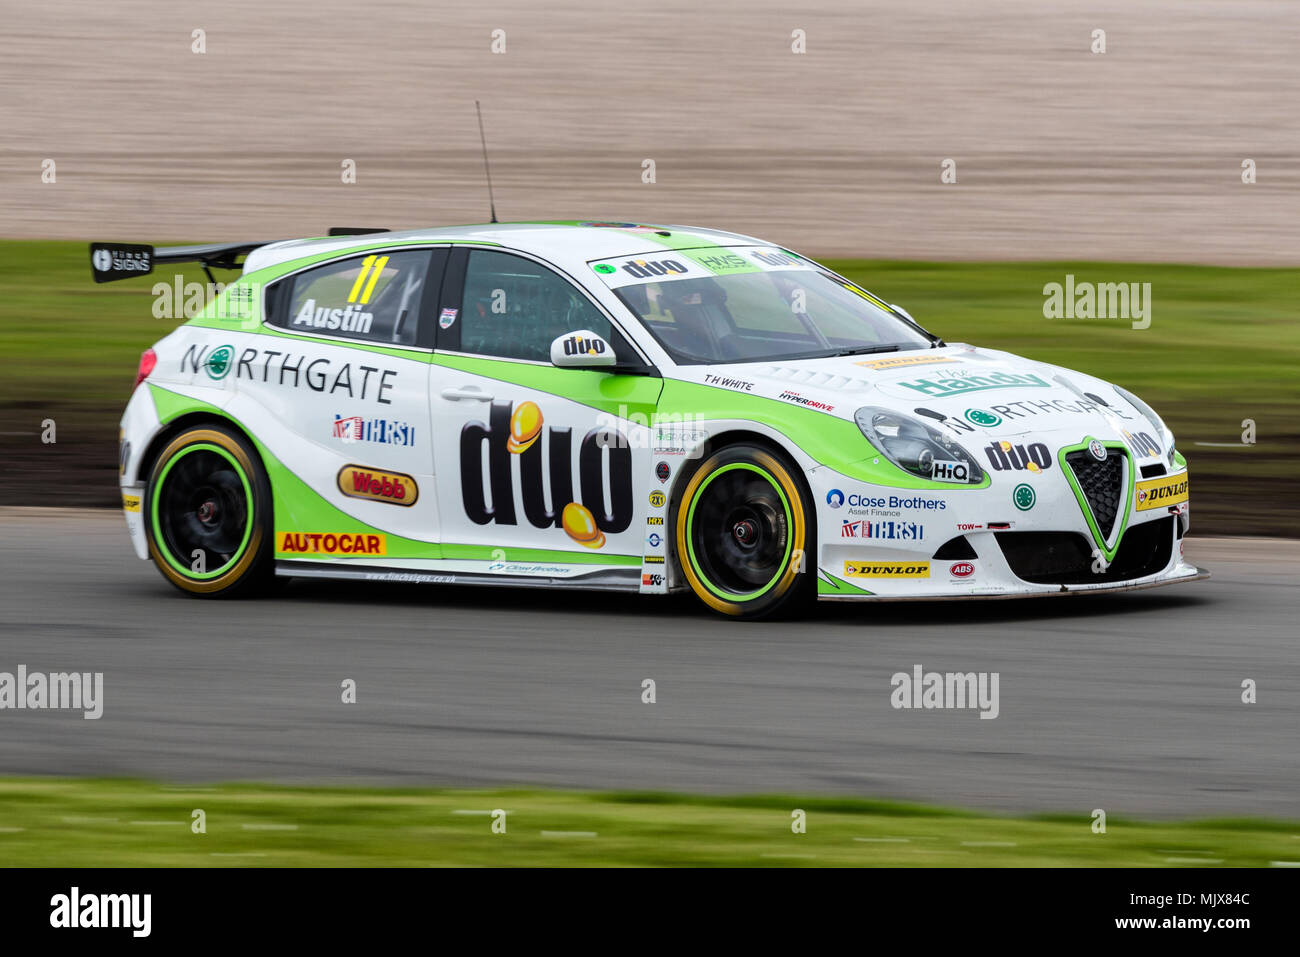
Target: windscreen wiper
[[865, 350]]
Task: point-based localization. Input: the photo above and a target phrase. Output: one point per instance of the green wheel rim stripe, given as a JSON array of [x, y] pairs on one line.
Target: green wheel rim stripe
[[153, 511], [690, 538]]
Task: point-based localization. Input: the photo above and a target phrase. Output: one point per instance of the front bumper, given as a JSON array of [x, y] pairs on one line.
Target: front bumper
[[878, 543]]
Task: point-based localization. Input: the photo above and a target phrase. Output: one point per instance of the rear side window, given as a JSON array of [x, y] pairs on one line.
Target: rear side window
[[513, 308], [375, 298]]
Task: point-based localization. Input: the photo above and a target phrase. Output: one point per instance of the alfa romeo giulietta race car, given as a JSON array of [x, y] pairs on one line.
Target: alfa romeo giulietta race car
[[620, 406]]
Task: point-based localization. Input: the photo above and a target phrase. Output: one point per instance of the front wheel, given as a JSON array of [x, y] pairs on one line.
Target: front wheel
[[208, 514], [743, 534]]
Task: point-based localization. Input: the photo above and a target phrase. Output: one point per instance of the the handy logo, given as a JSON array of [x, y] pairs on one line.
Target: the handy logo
[[960, 382]]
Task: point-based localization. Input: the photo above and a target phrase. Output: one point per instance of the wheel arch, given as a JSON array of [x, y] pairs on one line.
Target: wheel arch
[[723, 439], [188, 420]]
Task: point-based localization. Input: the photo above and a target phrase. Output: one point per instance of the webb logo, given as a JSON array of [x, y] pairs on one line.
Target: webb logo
[[511, 432], [393, 487]]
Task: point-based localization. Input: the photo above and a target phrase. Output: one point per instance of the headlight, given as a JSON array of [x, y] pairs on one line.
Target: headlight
[[917, 448], [1157, 423]]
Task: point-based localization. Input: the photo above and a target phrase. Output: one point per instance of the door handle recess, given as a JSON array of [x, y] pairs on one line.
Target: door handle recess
[[469, 392]]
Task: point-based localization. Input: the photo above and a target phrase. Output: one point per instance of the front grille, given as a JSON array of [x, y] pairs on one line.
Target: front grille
[[1101, 483], [1065, 558]]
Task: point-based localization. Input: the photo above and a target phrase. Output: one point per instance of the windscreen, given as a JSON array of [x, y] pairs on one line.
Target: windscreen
[[748, 304]]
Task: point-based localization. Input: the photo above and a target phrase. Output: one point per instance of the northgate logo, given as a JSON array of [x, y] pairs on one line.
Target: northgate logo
[[512, 433]]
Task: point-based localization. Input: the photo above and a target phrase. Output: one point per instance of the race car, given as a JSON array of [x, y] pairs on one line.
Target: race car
[[620, 406]]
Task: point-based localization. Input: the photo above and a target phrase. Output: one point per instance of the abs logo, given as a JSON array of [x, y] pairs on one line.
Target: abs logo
[[961, 570], [645, 268], [512, 432], [1003, 456]]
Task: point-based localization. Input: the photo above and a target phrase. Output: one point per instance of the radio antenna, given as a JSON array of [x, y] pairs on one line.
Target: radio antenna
[[492, 205]]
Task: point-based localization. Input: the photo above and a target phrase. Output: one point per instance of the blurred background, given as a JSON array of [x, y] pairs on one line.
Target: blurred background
[[1110, 166]]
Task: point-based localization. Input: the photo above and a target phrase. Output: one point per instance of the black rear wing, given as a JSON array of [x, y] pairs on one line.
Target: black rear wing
[[112, 261]]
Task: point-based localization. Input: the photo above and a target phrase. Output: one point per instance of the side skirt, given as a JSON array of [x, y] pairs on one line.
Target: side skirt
[[628, 579]]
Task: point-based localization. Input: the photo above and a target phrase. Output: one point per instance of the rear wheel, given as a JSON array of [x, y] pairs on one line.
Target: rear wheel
[[743, 534], [208, 514]]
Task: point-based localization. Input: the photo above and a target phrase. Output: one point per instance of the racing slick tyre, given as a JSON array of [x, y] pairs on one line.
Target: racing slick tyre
[[208, 514], [743, 534]]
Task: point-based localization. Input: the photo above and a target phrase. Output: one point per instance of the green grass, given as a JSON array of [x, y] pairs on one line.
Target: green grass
[[1223, 346], [95, 823]]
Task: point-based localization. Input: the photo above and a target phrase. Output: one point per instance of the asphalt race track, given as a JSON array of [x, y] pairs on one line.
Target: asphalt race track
[[1130, 703]]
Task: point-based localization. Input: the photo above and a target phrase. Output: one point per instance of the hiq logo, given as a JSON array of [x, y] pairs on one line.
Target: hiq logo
[[645, 268], [949, 470], [511, 432]]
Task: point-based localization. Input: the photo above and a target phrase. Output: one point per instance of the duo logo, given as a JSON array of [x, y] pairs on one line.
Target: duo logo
[[511, 432]]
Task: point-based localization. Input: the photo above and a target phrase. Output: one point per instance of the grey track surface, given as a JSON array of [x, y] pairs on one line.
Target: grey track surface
[[1129, 703], [1130, 155]]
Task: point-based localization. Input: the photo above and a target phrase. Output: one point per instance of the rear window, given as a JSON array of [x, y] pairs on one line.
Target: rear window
[[375, 298]]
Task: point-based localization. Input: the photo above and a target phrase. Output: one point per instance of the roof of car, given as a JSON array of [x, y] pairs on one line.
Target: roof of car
[[564, 243]]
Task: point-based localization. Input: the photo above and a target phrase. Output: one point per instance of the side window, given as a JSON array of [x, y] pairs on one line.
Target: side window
[[514, 308], [375, 297]]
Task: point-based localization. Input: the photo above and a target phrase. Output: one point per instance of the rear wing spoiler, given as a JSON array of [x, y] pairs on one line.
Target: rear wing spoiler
[[112, 261]]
